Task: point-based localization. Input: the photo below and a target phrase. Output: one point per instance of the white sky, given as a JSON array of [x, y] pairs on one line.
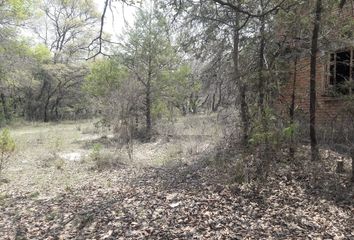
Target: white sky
[[117, 18]]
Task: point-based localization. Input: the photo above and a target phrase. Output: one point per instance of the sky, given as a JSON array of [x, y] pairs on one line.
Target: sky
[[117, 18]]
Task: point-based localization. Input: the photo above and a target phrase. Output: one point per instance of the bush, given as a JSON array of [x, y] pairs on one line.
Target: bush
[[102, 159], [96, 152], [7, 147]]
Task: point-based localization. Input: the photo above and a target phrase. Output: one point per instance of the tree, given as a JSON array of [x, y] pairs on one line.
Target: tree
[[30, 86], [59, 86], [105, 75], [117, 96], [180, 89], [148, 53], [228, 25], [12, 15], [96, 46], [68, 26], [313, 70], [15, 70]]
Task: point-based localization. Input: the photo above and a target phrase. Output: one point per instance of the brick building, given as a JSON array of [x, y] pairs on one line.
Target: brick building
[[334, 79]]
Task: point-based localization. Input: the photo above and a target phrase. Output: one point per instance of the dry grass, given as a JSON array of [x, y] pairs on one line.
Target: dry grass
[[54, 158]]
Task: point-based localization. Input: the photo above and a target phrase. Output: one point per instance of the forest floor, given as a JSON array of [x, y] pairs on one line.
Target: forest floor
[[173, 188]]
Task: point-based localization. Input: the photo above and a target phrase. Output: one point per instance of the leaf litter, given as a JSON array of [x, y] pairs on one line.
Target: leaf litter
[[143, 206]]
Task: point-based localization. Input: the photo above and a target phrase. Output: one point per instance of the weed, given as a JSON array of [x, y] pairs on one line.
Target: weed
[[7, 147], [3, 197], [102, 160], [96, 152], [34, 194], [239, 172], [68, 188], [59, 164], [51, 216], [57, 144], [106, 161], [90, 130]]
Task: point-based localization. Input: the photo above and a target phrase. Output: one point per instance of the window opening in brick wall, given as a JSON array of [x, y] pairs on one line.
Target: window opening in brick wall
[[341, 72]]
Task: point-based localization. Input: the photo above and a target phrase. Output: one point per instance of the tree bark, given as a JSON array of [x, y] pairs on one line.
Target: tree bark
[[213, 109], [4, 107], [292, 113], [313, 65], [148, 101], [261, 79], [216, 104], [56, 108], [148, 85], [262, 169], [148, 113], [45, 110], [352, 156], [193, 103], [241, 85]]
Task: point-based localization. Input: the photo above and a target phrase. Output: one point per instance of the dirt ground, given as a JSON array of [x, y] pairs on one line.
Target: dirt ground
[[54, 189]]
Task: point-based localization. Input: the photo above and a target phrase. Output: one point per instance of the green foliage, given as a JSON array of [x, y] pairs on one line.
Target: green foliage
[[7, 147], [41, 53], [274, 135], [7, 144], [59, 164], [20, 47], [179, 83], [290, 131], [105, 75], [159, 109], [16, 10], [150, 55], [95, 154], [102, 159]]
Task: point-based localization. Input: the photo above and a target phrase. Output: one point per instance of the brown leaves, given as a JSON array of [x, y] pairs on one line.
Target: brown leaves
[[144, 207]]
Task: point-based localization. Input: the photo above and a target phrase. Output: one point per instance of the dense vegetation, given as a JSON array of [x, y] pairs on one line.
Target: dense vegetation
[[196, 84]]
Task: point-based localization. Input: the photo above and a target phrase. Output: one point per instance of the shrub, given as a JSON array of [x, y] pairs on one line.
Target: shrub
[[106, 161], [103, 159], [96, 152], [59, 164], [7, 147]]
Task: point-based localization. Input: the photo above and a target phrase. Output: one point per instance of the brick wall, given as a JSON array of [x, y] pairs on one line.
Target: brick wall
[[328, 108]]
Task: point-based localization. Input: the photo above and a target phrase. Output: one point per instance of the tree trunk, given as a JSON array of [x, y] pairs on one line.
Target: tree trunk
[[262, 169], [56, 108], [4, 107], [261, 79], [220, 96], [213, 104], [193, 102], [292, 113], [352, 156], [313, 65], [217, 93], [45, 110], [184, 110], [148, 85], [261, 85], [148, 113], [148, 102], [240, 83], [244, 114]]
